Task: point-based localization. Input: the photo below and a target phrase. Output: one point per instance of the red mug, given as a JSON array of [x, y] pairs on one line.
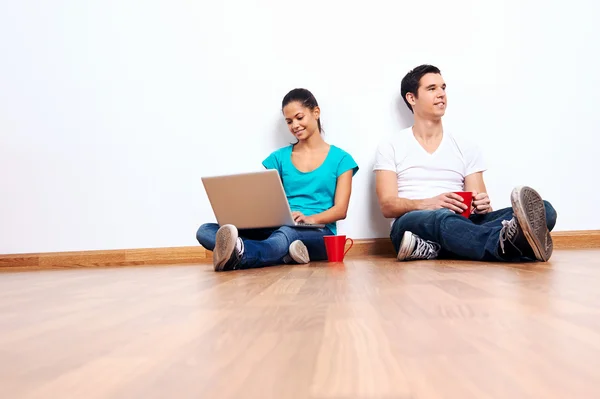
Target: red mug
[[467, 196], [335, 247]]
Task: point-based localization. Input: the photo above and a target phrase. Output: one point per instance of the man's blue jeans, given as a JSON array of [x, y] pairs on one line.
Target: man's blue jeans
[[267, 247], [476, 238]]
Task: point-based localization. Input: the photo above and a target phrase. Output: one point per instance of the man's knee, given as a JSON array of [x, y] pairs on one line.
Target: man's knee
[[550, 215], [428, 214], [434, 216], [412, 220], [444, 212]]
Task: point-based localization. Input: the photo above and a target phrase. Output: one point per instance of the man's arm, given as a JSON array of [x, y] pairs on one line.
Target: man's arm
[[475, 184], [387, 193], [393, 207]]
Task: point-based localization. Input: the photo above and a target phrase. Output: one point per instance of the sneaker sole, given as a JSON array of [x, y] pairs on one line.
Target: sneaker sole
[[225, 244], [407, 245], [530, 212], [299, 252]]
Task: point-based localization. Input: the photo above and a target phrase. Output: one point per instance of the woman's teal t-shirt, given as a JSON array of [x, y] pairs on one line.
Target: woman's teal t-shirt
[[311, 192]]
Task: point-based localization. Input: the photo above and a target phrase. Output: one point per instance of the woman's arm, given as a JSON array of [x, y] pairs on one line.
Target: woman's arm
[[340, 203]]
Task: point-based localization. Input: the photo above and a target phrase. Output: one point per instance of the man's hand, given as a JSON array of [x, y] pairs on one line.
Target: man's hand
[[481, 202], [300, 218], [451, 201]]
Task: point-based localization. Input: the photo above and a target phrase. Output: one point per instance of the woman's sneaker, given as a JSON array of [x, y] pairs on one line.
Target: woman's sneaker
[[297, 253], [413, 247], [229, 249]]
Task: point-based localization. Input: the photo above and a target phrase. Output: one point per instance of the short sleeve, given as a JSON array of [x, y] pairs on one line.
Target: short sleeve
[[273, 161], [346, 163], [474, 161], [385, 157]]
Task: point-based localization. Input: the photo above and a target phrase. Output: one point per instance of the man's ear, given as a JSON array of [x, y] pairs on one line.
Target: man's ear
[[410, 97]]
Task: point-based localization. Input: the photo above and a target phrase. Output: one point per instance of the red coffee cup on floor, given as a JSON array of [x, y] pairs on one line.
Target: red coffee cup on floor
[[335, 247], [467, 196]]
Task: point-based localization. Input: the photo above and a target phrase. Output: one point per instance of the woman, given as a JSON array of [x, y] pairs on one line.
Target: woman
[[317, 179]]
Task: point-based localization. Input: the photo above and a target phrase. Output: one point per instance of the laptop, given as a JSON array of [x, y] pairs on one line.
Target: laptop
[[251, 201]]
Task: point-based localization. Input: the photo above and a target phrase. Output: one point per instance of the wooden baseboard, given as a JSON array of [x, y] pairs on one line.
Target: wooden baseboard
[[126, 257], [579, 239], [576, 239]]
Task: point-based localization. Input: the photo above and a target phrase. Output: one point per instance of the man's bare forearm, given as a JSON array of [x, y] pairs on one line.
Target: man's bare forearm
[[395, 207]]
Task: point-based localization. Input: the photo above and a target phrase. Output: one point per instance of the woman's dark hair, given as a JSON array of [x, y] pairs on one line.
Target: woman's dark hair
[[305, 98]]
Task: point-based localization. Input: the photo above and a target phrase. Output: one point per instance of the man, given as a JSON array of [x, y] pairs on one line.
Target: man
[[417, 174]]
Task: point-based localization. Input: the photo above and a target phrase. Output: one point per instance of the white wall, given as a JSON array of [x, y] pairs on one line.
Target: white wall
[[111, 111]]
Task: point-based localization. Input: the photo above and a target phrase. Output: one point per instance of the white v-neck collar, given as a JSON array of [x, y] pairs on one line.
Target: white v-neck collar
[[412, 133]]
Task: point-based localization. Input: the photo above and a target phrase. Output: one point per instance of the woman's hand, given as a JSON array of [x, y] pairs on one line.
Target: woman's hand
[[300, 218]]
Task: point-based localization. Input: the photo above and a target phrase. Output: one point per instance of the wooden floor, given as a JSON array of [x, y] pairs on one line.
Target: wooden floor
[[369, 328]]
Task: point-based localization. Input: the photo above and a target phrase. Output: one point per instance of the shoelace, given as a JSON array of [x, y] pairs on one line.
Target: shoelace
[[425, 250], [509, 229]]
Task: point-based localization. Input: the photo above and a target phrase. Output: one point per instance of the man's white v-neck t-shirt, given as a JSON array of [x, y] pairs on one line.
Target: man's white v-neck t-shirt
[[423, 175]]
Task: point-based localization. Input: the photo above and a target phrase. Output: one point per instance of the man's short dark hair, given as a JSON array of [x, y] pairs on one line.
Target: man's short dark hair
[[410, 82]]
